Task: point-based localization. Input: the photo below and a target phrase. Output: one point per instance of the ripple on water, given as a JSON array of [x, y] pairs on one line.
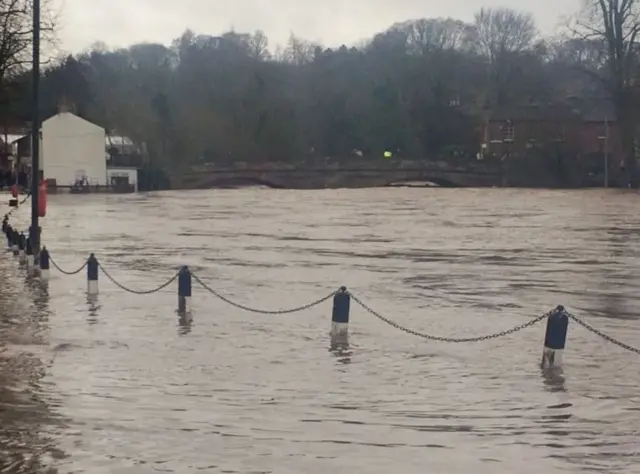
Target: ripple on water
[[119, 383]]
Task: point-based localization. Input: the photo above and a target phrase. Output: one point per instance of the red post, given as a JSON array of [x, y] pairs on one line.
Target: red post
[[42, 198]]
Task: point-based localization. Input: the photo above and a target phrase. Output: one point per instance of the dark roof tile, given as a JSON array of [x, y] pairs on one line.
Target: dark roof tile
[[575, 109], [535, 113]]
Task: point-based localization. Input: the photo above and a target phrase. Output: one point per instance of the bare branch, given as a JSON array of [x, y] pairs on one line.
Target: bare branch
[[16, 34]]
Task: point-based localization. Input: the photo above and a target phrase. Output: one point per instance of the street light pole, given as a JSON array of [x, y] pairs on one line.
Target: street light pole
[[606, 152], [34, 233]]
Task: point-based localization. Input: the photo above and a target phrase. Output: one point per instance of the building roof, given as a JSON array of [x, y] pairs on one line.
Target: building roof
[[534, 113], [12, 138], [118, 140], [71, 114], [574, 109], [124, 168], [595, 110]]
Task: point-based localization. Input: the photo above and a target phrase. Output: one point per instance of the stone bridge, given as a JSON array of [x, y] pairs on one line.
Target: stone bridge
[[353, 175]]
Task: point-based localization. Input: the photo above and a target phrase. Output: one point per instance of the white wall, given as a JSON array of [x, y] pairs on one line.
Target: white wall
[[130, 173], [70, 144]]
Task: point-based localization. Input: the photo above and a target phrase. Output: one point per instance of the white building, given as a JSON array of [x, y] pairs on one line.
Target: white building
[[73, 148]]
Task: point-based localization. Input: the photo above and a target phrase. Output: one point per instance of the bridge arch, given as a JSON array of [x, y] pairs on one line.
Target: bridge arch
[[437, 181], [238, 182]]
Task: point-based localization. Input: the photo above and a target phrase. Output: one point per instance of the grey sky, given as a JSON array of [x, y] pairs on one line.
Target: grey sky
[[122, 22]]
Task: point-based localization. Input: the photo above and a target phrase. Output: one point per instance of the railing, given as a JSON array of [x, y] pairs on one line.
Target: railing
[[557, 320]]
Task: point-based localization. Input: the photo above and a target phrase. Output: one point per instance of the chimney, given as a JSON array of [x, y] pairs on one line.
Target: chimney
[[64, 105]]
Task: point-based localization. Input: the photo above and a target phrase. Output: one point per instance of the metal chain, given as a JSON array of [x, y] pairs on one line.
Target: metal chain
[[18, 206], [53, 262], [603, 335], [138, 292], [262, 311], [451, 339]]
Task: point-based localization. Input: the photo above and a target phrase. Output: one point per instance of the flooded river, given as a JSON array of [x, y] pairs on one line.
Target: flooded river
[[121, 385]]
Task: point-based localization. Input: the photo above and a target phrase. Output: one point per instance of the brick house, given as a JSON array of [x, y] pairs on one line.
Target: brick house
[[10, 131], [581, 128]]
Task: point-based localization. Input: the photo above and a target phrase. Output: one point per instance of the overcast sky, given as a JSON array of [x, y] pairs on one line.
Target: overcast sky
[[331, 22]]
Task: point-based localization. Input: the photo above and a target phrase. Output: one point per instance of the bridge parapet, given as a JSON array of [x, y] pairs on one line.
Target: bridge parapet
[[354, 174], [352, 165]]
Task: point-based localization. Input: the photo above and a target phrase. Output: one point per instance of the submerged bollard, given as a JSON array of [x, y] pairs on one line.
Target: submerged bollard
[[15, 241], [92, 275], [340, 313], [29, 255], [184, 290], [8, 234], [555, 338], [22, 247], [45, 273], [5, 231]]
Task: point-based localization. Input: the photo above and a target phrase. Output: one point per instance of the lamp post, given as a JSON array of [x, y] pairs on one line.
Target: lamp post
[[35, 130], [605, 138], [606, 153]]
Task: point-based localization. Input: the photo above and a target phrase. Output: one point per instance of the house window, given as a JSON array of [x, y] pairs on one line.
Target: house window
[[120, 181], [508, 132]]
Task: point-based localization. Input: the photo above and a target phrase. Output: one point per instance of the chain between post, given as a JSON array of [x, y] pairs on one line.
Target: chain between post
[[429, 337], [604, 336], [11, 211], [64, 272], [366, 307], [262, 311], [138, 292]]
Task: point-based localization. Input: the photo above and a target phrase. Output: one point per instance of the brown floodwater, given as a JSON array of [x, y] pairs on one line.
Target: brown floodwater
[[120, 384]]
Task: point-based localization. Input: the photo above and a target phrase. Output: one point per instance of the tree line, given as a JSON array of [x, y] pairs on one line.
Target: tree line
[[420, 89]]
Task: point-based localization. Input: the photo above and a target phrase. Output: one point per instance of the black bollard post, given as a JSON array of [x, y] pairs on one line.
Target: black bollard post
[[8, 233], [184, 290], [29, 254], [44, 264], [92, 275], [15, 242], [32, 235], [22, 247], [340, 313], [555, 338]]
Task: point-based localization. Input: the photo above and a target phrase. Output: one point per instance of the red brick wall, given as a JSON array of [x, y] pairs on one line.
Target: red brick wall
[[526, 133], [591, 143], [583, 137]]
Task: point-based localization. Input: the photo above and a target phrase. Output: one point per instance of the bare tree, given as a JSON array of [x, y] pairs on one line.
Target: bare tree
[[298, 51], [614, 25], [259, 46], [502, 30], [434, 34], [16, 34], [587, 54], [575, 66], [501, 35]]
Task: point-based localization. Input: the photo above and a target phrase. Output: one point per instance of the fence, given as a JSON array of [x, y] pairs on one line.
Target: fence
[[39, 266]]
